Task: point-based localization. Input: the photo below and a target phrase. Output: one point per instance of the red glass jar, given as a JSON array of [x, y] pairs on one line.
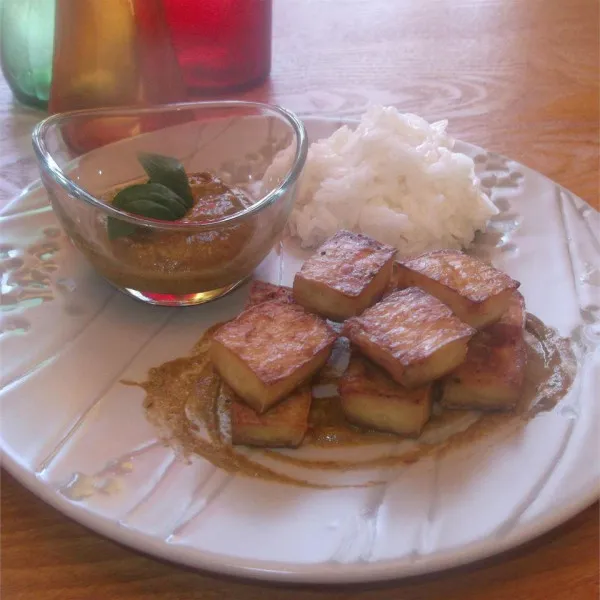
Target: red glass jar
[[221, 44]]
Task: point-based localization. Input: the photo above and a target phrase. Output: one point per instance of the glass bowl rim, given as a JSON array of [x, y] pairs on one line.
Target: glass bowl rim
[[50, 167]]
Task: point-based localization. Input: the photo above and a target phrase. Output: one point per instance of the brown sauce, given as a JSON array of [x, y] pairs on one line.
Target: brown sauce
[[173, 251], [187, 403], [181, 262]]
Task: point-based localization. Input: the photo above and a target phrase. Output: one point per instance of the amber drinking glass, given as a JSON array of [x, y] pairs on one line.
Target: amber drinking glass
[[112, 53]]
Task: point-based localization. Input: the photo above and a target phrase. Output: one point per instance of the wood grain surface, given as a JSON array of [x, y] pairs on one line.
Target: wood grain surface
[[519, 77]]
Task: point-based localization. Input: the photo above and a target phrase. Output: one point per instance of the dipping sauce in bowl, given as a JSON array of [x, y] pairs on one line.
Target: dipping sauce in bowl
[[186, 262], [224, 149]]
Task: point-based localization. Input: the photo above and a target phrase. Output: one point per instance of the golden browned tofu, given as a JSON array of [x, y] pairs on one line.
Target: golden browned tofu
[[412, 335], [283, 426], [476, 292], [491, 378], [513, 320], [347, 274], [370, 398], [269, 350], [392, 285], [261, 291]]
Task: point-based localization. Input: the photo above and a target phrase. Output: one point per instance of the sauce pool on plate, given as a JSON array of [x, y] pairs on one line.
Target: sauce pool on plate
[[189, 404]]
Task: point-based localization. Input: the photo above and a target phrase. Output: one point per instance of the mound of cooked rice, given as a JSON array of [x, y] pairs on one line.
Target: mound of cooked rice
[[394, 178]]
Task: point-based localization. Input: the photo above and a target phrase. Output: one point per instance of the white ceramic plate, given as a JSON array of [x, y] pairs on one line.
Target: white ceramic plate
[[77, 438]]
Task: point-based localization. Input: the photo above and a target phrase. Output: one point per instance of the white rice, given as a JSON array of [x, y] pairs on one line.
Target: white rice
[[394, 178]]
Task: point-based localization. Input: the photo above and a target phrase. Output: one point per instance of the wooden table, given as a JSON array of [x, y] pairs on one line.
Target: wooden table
[[518, 77]]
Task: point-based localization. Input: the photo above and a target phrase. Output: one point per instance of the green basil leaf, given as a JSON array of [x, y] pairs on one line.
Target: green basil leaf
[[151, 200], [117, 228], [141, 198], [148, 207], [170, 172]]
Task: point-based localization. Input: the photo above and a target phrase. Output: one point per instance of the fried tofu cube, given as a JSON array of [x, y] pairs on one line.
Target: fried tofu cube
[[412, 335], [261, 291], [492, 376], [347, 274], [283, 426], [269, 350], [392, 285], [371, 398], [513, 320], [477, 292]]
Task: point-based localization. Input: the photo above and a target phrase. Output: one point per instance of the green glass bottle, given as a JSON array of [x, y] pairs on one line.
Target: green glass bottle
[[26, 44]]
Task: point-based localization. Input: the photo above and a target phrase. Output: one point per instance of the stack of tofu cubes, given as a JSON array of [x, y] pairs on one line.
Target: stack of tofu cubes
[[444, 322]]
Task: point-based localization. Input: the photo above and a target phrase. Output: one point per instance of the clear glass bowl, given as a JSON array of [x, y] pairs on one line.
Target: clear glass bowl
[[85, 155]]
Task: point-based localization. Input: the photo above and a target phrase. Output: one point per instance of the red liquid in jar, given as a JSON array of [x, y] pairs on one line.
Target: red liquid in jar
[[221, 44]]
